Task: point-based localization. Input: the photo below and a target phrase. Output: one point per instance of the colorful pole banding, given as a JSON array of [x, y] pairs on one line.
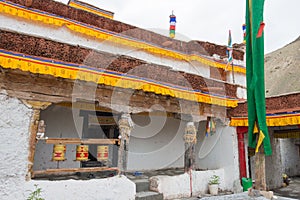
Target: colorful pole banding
[[229, 49], [172, 25], [244, 33], [48, 18]]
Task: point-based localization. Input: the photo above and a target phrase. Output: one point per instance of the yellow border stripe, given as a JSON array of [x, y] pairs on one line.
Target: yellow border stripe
[[109, 36], [276, 120], [72, 71]]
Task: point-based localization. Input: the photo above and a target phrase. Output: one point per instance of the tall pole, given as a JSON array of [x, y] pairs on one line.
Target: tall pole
[[232, 72]]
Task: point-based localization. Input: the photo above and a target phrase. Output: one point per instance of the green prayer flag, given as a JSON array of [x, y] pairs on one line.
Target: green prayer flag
[[255, 74]]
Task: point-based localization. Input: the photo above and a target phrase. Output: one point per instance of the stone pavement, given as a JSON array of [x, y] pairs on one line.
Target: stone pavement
[[292, 190], [240, 196]]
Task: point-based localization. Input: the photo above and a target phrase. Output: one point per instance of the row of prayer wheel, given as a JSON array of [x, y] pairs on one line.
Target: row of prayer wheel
[[82, 152]]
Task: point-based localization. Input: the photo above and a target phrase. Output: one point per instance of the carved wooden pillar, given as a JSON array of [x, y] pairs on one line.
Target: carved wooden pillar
[[125, 127], [33, 130], [260, 170], [190, 140]]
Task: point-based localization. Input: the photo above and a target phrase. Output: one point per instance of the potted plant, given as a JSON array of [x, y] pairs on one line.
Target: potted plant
[[213, 184]]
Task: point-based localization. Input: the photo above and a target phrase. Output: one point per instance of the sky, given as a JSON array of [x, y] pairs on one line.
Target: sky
[[208, 20]]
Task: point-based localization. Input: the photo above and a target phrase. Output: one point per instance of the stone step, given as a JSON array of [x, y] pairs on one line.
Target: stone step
[[142, 185], [148, 196]]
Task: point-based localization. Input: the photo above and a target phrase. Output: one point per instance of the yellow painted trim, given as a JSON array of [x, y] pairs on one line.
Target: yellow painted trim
[[72, 71], [277, 120], [109, 36]]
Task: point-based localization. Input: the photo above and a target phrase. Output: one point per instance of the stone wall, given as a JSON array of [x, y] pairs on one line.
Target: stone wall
[[74, 54], [15, 119], [14, 131], [290, 156], [219, 150], [181, 186], [274, 167], [276, 104], [118, 187]]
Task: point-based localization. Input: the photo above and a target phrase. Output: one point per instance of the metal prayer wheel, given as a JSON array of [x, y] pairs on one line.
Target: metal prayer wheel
[[102, 153], [82, 153], [59, 151]]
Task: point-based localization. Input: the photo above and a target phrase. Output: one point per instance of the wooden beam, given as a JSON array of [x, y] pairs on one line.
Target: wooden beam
[[73, 170], [33, 87], [81, 141]]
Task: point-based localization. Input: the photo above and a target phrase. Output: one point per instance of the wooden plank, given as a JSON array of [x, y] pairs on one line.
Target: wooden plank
[[63, 141], [73, 170], [260, 170], [283, 110], [81, 141], [292, 134], [100, 141]]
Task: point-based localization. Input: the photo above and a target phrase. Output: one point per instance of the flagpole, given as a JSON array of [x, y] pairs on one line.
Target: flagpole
[[232, 72]]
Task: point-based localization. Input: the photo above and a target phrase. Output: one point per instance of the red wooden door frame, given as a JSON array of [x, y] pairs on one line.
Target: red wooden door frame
[[242, 154]]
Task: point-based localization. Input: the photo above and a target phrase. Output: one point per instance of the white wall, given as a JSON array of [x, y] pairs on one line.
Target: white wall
[[290, 156], [219, 151], [14, 139], [179, 186], [274, 167], [64, 35], [241, 93], [156, 142], [61, 122], [117, 187], [239, 78]]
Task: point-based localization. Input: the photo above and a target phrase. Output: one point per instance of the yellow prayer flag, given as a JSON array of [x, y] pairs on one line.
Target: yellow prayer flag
[[260, 140], [255, 130]]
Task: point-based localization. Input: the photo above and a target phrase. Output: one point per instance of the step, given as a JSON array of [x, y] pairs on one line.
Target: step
[[142, 185], [148, 196]]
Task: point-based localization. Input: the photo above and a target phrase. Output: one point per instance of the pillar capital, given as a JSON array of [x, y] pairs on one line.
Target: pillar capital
[[190, 133], [125, 125], [38, 105]]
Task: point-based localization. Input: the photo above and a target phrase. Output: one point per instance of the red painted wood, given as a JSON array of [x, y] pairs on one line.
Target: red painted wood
[[241, 145]]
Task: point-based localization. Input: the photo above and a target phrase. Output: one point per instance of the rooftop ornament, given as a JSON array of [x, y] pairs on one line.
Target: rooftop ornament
[[172, 25]]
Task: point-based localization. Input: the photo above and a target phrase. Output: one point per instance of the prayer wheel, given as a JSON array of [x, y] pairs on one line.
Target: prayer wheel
[[82, 153], [102, 153], [59, 151]]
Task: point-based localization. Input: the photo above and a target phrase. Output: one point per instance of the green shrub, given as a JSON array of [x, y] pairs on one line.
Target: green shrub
[[214, 180], [36, 194]]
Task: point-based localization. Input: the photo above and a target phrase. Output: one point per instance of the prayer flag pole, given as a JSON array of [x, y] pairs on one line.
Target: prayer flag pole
[[256, 89]]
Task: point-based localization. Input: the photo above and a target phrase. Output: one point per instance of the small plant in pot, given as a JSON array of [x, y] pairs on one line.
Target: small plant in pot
[[213, 185]]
